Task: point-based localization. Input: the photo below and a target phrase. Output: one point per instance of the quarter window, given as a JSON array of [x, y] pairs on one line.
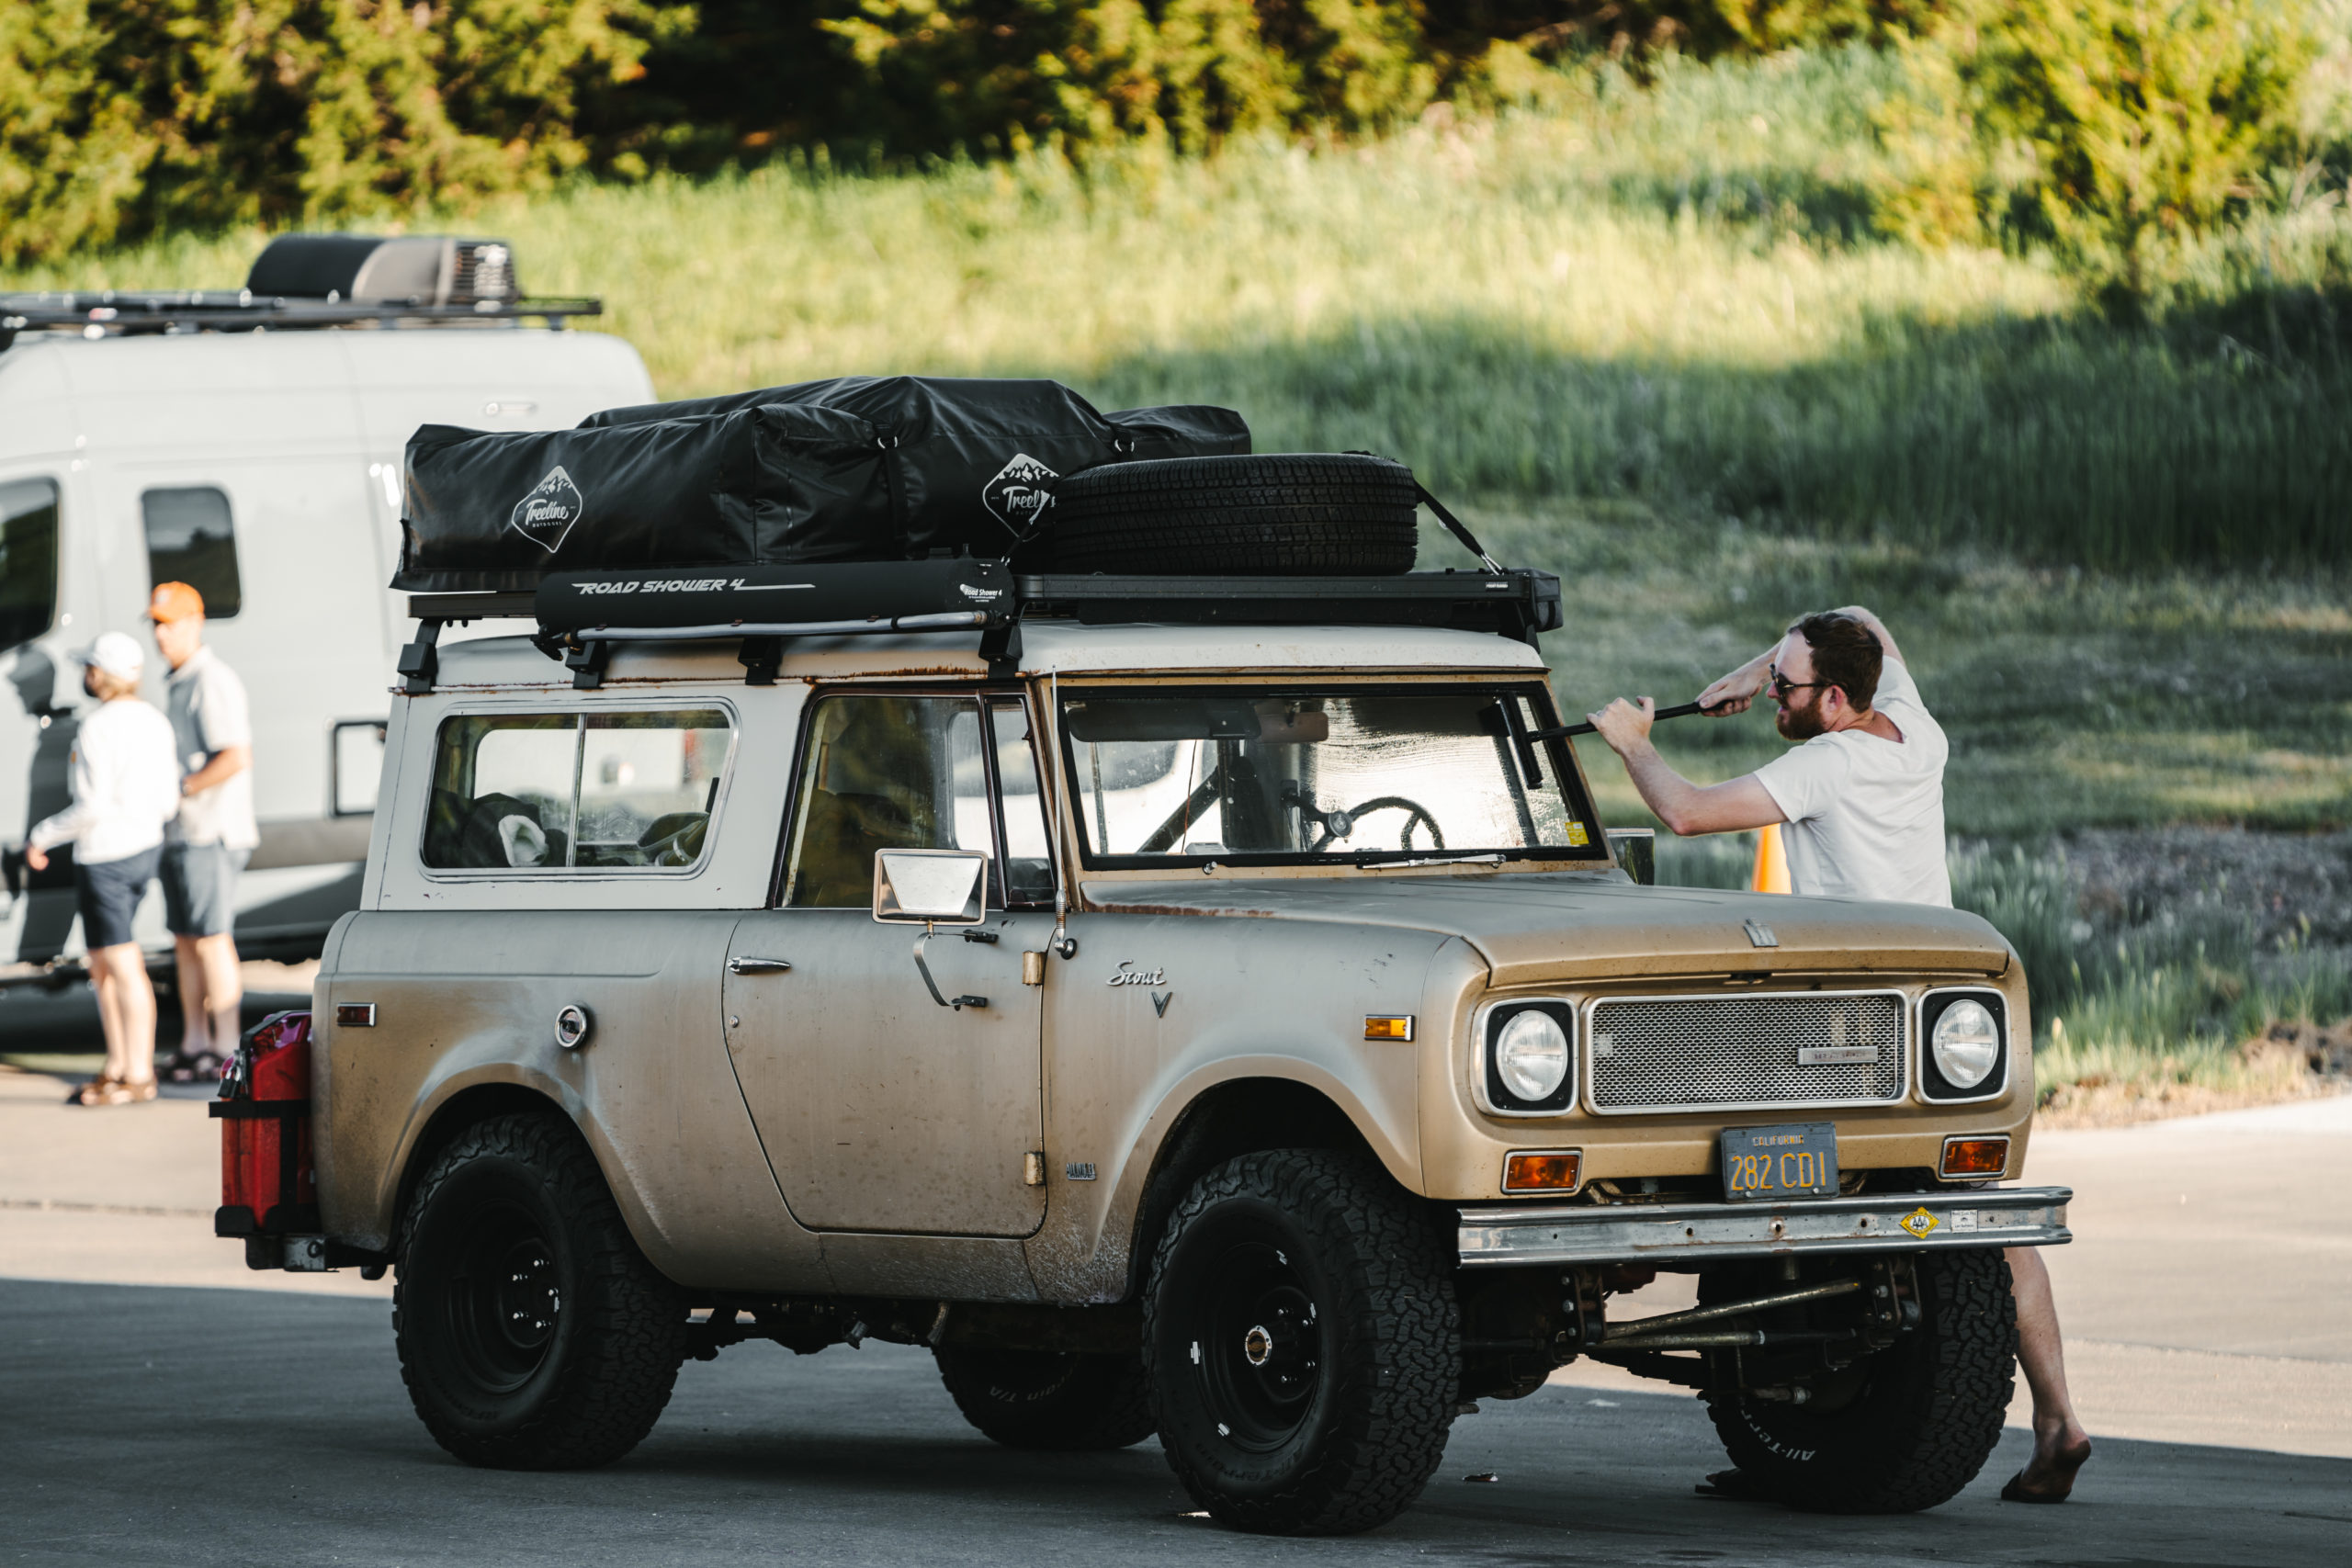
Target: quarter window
[[28, 560], [584, 792], [190, 540]]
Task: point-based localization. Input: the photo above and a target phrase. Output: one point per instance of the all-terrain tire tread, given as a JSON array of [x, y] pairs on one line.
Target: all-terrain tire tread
[[1971, 1376], [1406, 1314], [610, 1396], [1107, 1405], [1303, 515]]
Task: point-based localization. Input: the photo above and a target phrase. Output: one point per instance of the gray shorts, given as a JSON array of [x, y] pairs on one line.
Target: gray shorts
[[200, 887]]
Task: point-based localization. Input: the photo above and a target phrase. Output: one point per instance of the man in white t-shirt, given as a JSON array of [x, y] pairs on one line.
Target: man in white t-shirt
[[1862, 801], [207, 843]]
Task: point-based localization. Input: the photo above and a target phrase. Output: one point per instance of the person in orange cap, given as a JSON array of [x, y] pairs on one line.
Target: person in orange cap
[[207, 843]]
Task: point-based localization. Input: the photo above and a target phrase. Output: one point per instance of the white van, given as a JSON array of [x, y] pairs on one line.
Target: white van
[[194, 437]]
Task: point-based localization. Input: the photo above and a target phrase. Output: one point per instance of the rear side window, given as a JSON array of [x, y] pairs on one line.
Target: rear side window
[[576, 792], [28, 560], [190, 540]]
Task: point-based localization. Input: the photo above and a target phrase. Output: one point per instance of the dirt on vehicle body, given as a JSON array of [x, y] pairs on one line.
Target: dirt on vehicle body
[[1270, 1053]]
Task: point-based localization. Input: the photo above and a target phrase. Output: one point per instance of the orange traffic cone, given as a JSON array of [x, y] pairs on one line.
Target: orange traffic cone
[[1772, 862]]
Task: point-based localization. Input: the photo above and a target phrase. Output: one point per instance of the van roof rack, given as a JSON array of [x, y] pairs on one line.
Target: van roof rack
[[311, 281], [582, 615]]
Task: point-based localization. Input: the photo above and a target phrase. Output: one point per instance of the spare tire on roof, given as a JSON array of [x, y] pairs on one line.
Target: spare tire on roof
[[1303, 514]]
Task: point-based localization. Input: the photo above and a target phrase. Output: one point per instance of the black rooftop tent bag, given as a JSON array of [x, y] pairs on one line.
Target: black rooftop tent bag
[[858, 468]]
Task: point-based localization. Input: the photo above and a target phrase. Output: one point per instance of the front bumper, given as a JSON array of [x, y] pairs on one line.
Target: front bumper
[[1894, 1222]]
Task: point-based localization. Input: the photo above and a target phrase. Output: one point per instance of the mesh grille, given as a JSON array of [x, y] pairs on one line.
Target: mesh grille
[[1702, 1051]]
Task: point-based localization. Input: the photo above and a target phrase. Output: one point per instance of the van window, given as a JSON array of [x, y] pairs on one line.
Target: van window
[[190, 540], [584, 792], [28, 560]]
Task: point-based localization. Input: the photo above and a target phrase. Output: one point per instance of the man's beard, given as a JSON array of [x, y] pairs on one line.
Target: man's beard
[[1801, 723]]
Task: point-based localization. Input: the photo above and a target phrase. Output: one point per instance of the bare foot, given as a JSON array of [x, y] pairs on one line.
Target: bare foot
[[2049, 1477]]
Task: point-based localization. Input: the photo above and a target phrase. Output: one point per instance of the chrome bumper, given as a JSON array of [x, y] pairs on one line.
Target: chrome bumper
[[1895, 1222]]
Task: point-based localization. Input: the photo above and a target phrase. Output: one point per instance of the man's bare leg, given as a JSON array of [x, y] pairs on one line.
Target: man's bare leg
[[194, 1012], [2060, 1443], [225, 990]]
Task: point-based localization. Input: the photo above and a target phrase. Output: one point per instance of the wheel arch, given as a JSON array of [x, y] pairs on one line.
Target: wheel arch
[[467, 1107], [1224, 1121]]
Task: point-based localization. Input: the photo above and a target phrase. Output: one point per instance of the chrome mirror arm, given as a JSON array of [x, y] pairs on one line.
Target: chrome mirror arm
[[923, 968]]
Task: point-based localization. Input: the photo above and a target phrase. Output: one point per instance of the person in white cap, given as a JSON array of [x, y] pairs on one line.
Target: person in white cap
[[126, 780]]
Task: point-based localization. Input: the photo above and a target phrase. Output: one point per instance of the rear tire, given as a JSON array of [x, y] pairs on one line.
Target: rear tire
[[1049, 1400], [1309, 515], [1303, 1344], [533, 1335], [1912, 1425]]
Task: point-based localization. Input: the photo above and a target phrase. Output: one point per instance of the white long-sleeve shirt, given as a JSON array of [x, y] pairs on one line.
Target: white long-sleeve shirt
[[126, 781]]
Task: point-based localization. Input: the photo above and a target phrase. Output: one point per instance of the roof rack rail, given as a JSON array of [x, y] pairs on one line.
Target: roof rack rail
[[127, 313], [582, 615]]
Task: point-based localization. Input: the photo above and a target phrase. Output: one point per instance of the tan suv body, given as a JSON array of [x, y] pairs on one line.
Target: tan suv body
[[645, 913]]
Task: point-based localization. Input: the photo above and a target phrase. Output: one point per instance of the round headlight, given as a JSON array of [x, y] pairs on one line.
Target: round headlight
[[1531, 1055], [1967, 1044]]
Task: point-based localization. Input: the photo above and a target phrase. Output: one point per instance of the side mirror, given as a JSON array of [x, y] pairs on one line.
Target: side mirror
[[923, 887], [1636, 853]]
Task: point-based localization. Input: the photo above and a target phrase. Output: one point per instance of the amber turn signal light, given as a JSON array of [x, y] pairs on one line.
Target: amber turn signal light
[[1976, 1156], [1552, 1170], [1396, 1027]]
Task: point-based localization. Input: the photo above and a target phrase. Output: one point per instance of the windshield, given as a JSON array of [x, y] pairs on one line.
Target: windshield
[[28, 560], [1282, 773]]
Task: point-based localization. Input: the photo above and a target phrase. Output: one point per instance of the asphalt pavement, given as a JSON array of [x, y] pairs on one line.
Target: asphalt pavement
[[157, 1407]]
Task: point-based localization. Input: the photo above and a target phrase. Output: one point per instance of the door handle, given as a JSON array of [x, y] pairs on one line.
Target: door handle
[[748, 966]]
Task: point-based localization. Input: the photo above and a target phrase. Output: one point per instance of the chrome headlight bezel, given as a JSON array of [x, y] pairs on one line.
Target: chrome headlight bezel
[[1935, 1084], [1496, 1094]]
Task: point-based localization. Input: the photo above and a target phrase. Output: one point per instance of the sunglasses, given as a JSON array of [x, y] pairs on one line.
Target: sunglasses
[[1782, 686]]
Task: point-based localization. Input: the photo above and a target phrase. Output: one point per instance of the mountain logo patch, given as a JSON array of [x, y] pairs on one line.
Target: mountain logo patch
[[545, 515], [1021, 494]]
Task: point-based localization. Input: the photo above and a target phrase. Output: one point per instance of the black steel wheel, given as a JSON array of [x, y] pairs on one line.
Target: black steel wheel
[[1302, 1343], [533, 1335], [1049, 1399], [1901, 1430], [1305, 514]]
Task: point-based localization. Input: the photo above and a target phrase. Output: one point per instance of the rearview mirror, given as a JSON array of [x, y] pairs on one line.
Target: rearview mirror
[[921, 888]]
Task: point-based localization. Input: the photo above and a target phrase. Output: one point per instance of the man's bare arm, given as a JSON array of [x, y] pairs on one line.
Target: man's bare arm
[[1685, 808], [222, 766]]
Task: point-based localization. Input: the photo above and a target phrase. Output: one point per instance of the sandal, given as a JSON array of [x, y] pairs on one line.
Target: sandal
[[118, 1091], [204, 1066], [94, 1092], [2066, 1462]]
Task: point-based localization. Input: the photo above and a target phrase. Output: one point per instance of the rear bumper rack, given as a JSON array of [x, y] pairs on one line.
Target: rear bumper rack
[[1893, 1222]]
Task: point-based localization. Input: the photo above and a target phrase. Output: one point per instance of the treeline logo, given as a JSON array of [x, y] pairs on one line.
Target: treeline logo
[[1021, 495], [547, 515]]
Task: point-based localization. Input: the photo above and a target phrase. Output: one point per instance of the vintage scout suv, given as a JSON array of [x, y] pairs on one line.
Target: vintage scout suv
[[1201, 1006]]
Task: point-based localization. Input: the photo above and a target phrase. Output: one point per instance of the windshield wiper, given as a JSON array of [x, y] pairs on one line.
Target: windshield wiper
[[1491, 857]]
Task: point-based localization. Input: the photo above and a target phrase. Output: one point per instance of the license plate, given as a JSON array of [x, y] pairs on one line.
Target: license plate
[[1797, 1159]]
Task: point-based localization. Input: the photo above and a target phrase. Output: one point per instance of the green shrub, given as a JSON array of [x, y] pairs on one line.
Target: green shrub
[[2029, 901], [2123, 131], [121, 117]]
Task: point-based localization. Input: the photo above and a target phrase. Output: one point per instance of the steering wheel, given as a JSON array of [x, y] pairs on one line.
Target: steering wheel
[[1340, 824]]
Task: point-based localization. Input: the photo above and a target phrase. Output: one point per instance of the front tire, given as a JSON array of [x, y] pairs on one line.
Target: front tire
[[533, 1335], [1905, 1429], [1049, 1400], [1303, 1344]]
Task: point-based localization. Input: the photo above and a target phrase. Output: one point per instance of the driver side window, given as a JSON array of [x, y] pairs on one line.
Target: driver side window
[[912, 773]]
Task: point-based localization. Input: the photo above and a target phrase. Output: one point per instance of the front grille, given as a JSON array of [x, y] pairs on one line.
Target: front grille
[[1696, 1053]]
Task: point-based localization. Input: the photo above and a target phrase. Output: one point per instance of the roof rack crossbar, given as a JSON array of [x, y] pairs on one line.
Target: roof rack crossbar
[[945, 621]]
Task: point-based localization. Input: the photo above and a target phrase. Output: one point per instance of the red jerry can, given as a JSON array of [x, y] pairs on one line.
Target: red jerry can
[[267, 1185]]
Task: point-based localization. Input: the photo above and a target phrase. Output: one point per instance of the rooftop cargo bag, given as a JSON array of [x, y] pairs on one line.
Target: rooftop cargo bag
[[494, 512], [857, 469]]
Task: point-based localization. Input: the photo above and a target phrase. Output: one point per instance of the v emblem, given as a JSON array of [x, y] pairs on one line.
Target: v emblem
[[1160, 1001]]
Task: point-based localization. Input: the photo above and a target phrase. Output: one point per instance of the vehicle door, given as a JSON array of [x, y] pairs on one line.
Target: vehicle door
[[885, 1102]]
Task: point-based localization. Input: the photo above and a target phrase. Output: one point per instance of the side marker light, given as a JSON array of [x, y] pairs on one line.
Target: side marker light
[[1976, 1156], [1389, 1027], [1548, 1170]]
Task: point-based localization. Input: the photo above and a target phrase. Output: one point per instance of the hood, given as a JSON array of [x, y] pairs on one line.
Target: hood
[[1580, 925]]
